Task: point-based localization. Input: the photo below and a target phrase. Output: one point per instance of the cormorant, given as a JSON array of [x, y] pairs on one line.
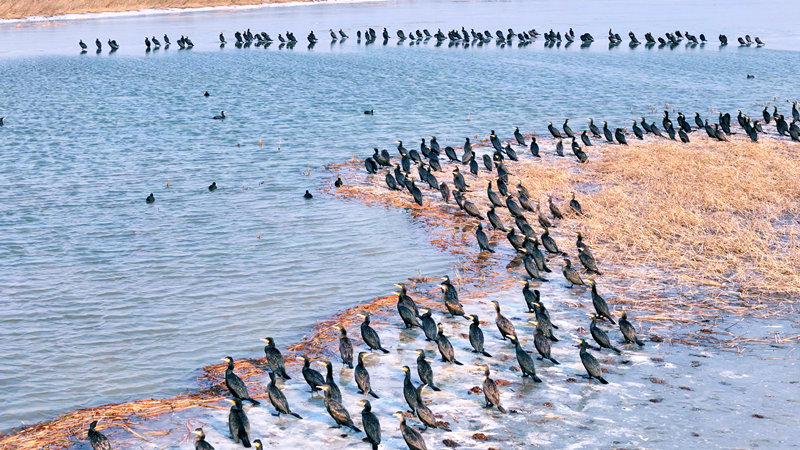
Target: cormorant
[[424, 370], [575, 205], [362, 377], [445, 347], [543, 220], [372, 427], [206, 94], [407, 313], [412, 437], [213, 186], [526, 365], [585, 139], [277, 398], [518, 136], [607, 133], [312, 377], [542, 344], [559, 147], [553, 208], [600, 336], [571, 274], [275, 359], [199, 440], [590, 363], [553, 130], [483, 240], [593, 128], [428, 325], [82, 45], [450, 298], [568, 130], [490, 391], [235, 384], [370, 112], [628, 331], [637, 131], [513, 207], [337, 412], [370, 336], [307, 195], [495, 220], [409, 391], [338, 182], [504, 325], [550, 243], [98, 44], [543, 322], [98, 440], [534, 147], [150, 198], [221, 116], [238, 424], [531, 296], [472, 210], [476, 336]]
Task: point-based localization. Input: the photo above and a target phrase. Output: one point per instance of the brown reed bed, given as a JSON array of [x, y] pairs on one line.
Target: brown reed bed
[[16, 9]]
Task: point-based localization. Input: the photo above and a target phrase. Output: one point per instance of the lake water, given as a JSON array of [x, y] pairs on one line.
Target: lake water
[[105, 298]]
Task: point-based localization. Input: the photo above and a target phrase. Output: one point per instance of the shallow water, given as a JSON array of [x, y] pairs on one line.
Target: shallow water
[[105, 298]]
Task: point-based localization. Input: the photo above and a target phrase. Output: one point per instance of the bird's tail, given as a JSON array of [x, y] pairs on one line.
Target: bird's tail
[[458, 363], [244, 438], [355, 428], [486, 354], [616, 350], [285, 375], [501, 409], [602, 380], [536, 379], [296, 415], [554, 361], [638, 342], [553, 338], [253, 401], [374, 446], [384, 350], [434, 388], [372, 393]]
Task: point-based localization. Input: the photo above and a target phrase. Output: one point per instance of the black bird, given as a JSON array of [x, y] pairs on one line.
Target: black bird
[[275, 359], [372, 427], [567, 130], [550, 243], [607, 133], [542, 344], [684, 137], [495, 142], [370, 336], [585, 139], [471, 209], [199, 440], [495, 220], [424, 414], [628, 331], [424, 370], [637, 131], [504, 325], [337, 412], [600, 336], [445, 347], [513, 207], [575, 205], [587, 259], [531, 296], [150, 198], [361, 375], [238, 424], [571, 274], [98, 440], [222, 39], [82, 45], [409, 391], [590, 363], [307, 195], [450, 298], [338, 182], [345, 347], [553, 130], [593, 128], [445, 191], [531, 266], [490, 391], [235, 384], [553, 208], [213, 186], [534, 147], [476, 336], [98, 44], [335, 392], [518, 136], [412, 437], [408, 313], [543, 322], [206, 94], [312, 377], [277, 398], [483, 240], [221, 116], [526, 365], [428, 325]]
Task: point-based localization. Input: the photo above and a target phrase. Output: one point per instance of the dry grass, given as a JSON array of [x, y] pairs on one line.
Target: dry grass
[[15, 9]]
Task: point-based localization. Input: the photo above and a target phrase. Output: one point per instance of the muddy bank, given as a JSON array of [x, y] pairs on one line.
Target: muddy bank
[[681, 368]]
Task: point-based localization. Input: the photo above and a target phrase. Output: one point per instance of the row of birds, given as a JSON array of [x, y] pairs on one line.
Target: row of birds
[[246, 38], [183, 42]]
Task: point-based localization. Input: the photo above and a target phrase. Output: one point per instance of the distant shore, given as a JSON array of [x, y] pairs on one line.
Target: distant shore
[[18, 9]]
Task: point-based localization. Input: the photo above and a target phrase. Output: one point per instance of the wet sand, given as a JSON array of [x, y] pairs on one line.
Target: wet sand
[[702, 360], [37, 8]]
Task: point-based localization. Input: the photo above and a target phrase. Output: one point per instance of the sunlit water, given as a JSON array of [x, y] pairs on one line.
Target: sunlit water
[[106, 298]]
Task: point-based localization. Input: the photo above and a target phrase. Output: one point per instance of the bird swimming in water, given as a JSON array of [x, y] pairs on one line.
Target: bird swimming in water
[[372, 427], [361, 376], [504, 325], [307, 195], [345, 347], [235, 384], [526, 365], [98, 440], [338, 182], [628, 331], [445, 347], [277, 399], [206, 94], [238, 423], [213, 186], [571, 274], [476, 336], [199, 440], [490, 391], [590, 363], [275, 359], [312, 377], [150, 198], [370, 112], [337, 412], [411, 436], [221, 116], [370, 336]]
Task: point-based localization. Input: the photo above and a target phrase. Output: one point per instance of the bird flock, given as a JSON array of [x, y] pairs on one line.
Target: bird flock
[[247, 38]]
